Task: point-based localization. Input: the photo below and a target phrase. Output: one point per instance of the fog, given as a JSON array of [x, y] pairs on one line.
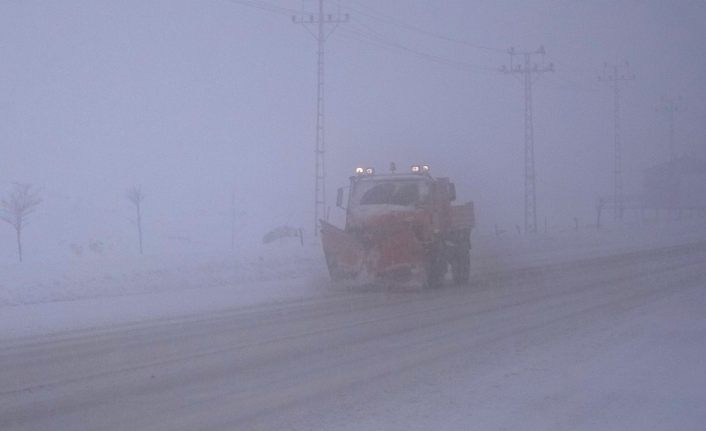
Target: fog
[[197, 101], [153, 148]]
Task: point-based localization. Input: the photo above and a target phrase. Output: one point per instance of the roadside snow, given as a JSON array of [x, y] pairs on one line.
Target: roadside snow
[[40, 298], [99, 312], [44, 298], [102, 276]]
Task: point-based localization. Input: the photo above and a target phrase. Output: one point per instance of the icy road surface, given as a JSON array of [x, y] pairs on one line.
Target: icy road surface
[[600, 343]]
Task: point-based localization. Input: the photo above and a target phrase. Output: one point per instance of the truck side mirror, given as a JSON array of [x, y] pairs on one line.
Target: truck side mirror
[[339, 197], [452, 192]]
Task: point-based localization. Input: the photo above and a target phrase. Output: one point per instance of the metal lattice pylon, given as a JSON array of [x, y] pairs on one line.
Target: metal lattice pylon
[[527, 70], [321, 20], [613, 75]]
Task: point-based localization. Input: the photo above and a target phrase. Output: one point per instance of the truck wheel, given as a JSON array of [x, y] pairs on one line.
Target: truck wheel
[[437, 269], [461, 266]]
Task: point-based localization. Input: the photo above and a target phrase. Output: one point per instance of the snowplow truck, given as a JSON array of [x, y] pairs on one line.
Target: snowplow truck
[[401, 229]]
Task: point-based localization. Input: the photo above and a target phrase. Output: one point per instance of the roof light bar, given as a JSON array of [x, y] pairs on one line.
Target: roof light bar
[[360, 171]]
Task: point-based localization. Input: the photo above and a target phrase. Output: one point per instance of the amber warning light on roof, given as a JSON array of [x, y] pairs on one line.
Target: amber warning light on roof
[[420, 169], [364, 171]]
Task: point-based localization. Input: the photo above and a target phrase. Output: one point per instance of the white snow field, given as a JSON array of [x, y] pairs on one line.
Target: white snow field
[[578, 330]]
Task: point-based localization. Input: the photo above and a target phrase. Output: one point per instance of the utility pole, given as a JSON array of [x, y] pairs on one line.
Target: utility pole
[[321, 20], [614, 75], [671, 106], [527, 71]]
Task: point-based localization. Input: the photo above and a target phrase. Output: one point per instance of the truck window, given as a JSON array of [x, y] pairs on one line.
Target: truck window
[[380, 194], [403, 194]]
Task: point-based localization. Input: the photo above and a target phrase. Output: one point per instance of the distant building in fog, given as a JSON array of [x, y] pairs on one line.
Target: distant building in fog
[[679, 184]]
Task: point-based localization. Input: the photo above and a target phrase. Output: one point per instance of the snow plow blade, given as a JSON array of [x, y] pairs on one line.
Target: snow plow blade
[[394, 258], [344, 253]]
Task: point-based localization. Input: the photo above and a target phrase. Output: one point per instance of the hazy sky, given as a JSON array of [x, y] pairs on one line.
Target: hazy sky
[[195, 100]]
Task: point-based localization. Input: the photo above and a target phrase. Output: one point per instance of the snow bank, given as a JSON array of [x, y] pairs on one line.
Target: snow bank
[[92, 276], [493, 254], [41, 298], [101, 276]]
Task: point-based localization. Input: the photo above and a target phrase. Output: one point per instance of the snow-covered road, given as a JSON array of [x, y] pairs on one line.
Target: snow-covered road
[[612, 342]]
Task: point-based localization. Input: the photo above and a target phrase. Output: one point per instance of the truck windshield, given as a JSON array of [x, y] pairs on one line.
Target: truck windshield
[[403, 193]]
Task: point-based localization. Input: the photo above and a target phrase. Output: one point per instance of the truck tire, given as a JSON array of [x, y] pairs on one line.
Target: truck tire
[[461, 266], [437, 268]]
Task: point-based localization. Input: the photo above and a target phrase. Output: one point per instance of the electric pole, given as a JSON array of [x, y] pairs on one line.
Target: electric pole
[[527, 71], [671, 106], [614, 75], [321, 21]]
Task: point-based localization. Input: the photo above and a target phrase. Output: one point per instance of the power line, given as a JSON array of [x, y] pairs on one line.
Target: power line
[[614, 75], [377, 39], [527, 70], [266, 6], [365, 38], [390, 20]]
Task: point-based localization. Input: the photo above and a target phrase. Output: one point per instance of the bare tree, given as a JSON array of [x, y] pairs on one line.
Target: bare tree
[[135, 195], [17, 206]]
